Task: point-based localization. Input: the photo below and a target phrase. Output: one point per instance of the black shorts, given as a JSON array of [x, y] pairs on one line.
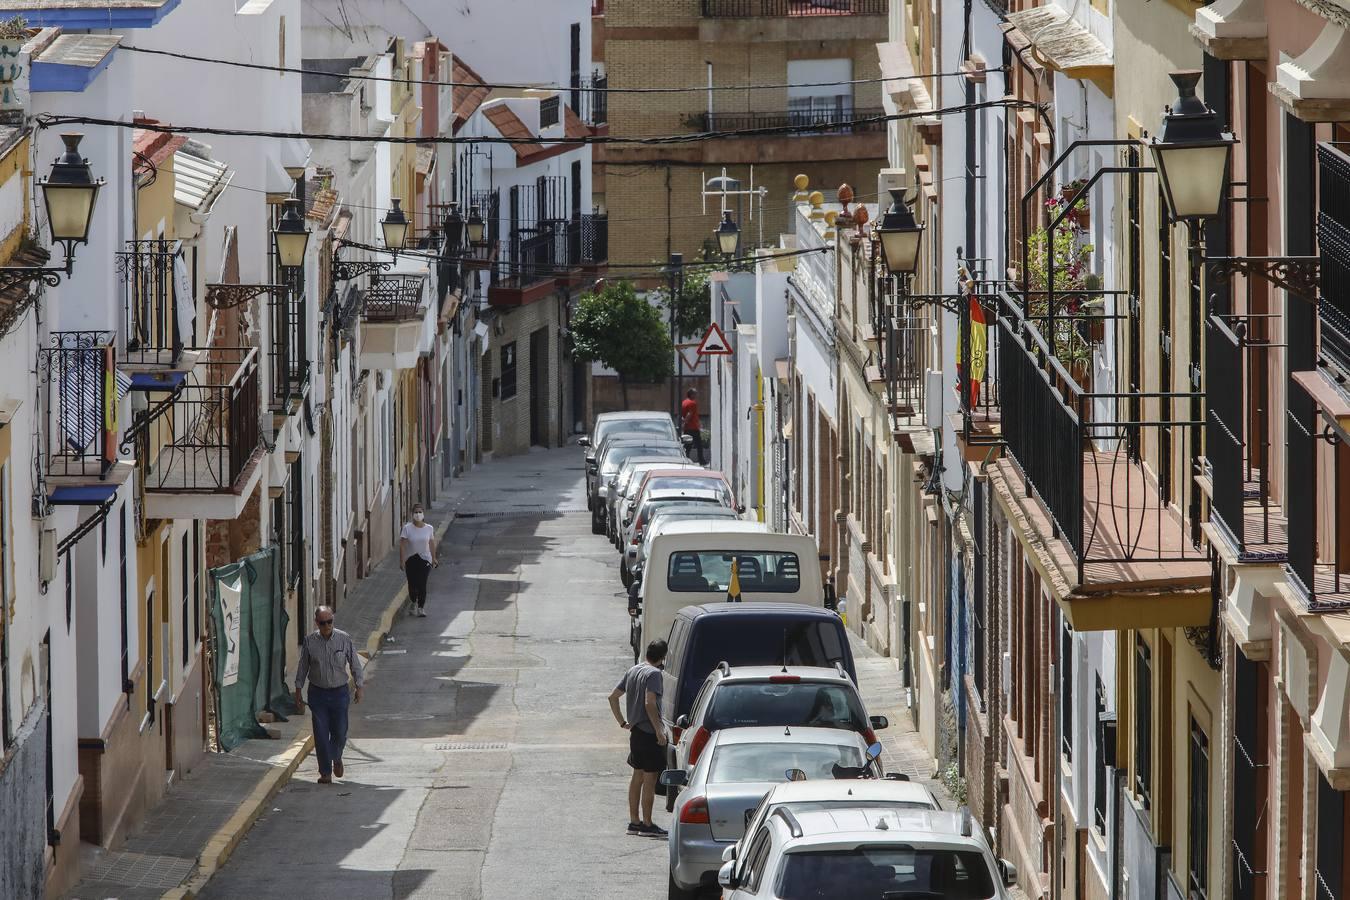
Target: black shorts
[[644, 753]]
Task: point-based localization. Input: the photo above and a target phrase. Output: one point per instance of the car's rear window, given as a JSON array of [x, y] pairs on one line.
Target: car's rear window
[[686, 482], [709, 571], [758, 640], [819, 705], [885, 870], [647, 426], [748, 763]]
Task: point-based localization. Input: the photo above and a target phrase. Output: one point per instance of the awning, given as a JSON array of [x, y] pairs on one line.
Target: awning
[[157, 381], [82, 495], [97, 495], [1062, 43]]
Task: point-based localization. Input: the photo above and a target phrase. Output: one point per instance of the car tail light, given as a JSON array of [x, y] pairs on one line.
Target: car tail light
[[784, 679], [637, 537], [695, 812], [697, 743], [870, 736], [675, 734]]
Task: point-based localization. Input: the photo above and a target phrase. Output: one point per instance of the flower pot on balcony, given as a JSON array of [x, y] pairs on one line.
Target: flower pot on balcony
[[1082, 217]]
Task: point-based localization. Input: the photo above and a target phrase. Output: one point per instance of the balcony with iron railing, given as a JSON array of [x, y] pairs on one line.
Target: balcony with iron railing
[[1236, 469], [830, 120], [287, 352], [81, 390], [396, 312], [748, 9], [200, 439], [595, 100], [1318, 432], [1096, 475], [582, 242], [158, 306], [526, 267], [977, 386]]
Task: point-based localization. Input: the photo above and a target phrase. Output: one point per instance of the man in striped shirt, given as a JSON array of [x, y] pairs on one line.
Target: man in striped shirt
[[325, 656]]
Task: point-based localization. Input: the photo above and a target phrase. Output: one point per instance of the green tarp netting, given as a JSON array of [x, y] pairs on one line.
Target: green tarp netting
[[249, 644]]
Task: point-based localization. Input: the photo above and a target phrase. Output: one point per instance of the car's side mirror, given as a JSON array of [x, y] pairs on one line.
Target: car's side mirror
[[740, 509], [682, 722], [831, 601], [795, 775], [874, 751], [687, 440], [1009, 872], [674, 778], [729, 854], [879, 722], [584, 440], [896, 776], [592, 469], [726, 877]]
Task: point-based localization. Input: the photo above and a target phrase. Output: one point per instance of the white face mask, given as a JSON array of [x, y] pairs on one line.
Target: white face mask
[[418, 517]]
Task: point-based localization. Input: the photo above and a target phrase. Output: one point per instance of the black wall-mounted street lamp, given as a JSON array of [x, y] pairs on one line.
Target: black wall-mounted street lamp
[[476, 226], [900, 236], [394, 225], [1192, 154], [291, 237], [69, 194]]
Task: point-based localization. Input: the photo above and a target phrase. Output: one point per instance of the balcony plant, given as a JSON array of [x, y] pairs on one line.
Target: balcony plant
[[1078, 324]]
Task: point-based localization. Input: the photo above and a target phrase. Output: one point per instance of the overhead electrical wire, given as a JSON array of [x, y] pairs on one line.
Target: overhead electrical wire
[[700, 89], [657, 268], [49, 120], [858, 198]]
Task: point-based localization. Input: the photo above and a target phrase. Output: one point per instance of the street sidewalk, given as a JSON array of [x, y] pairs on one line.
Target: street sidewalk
[[193, 830], [883, 694]]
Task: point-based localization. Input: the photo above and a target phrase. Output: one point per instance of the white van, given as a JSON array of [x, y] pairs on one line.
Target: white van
[[690, 563]]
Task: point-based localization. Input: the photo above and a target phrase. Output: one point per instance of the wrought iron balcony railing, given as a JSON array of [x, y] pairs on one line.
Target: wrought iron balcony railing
[[1083, 454], [531, 256], [584, 241], [81, 388], [748, 9], [594, 100], [823, 120], [1239, 363], [905, 337], [1333, 236], [158, 306], [288, 357], [203, 436], [394, 298]]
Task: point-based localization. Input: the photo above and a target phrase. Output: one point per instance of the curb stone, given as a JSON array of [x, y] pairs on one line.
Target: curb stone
[[222, 844]]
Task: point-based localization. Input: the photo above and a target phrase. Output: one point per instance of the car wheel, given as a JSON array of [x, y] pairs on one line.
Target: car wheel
[[597, 526], [623, 573], [678, 893]]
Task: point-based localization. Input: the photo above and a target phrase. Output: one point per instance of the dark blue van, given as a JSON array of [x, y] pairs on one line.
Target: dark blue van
[[747, 634]]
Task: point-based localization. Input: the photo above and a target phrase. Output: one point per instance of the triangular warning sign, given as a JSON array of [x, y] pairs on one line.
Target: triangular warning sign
[[714, 342]]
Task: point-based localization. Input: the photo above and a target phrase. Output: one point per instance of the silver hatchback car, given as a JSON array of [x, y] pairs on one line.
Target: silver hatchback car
[[737, 768]]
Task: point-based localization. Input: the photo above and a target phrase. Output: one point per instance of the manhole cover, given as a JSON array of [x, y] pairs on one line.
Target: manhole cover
[[467, 747]]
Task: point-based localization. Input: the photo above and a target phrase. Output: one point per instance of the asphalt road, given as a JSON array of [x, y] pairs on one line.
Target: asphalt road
[[483, 762]]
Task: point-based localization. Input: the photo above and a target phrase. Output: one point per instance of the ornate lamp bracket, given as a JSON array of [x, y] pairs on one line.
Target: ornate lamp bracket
[[1297, 274], [12, 276], [227, 296], [952, 303], [346, 271]]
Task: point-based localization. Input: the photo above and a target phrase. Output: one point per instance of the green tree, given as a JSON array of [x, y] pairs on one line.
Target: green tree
[[692, 308], [621, 330]]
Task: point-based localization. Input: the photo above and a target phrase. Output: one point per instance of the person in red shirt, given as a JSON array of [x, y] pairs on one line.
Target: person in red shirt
[[690, 424]]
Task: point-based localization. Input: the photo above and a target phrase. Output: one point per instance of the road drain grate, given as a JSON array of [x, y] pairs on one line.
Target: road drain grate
[[467, 748]]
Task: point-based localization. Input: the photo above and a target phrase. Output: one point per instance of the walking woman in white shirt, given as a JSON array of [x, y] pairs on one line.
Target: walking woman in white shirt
[[417, 554]]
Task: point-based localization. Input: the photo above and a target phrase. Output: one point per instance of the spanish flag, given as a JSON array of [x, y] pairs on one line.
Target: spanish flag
[[734, 586]]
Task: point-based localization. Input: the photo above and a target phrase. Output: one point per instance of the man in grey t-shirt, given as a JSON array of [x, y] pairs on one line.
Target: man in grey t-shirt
[[641, 688]]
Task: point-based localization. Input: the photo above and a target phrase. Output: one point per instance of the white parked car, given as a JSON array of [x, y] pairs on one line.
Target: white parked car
[[892, 792], [635, 556], [867, 854], [723, 790]]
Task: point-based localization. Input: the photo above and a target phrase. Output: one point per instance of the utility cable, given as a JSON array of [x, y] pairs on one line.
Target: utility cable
[[701, 89], [49, 120]]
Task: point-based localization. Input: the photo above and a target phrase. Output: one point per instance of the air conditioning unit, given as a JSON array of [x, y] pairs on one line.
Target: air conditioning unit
[[889, 180], [47, 552], [933, 399]]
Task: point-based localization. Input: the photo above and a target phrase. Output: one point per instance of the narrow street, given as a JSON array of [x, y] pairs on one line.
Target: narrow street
[[483, 761]]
